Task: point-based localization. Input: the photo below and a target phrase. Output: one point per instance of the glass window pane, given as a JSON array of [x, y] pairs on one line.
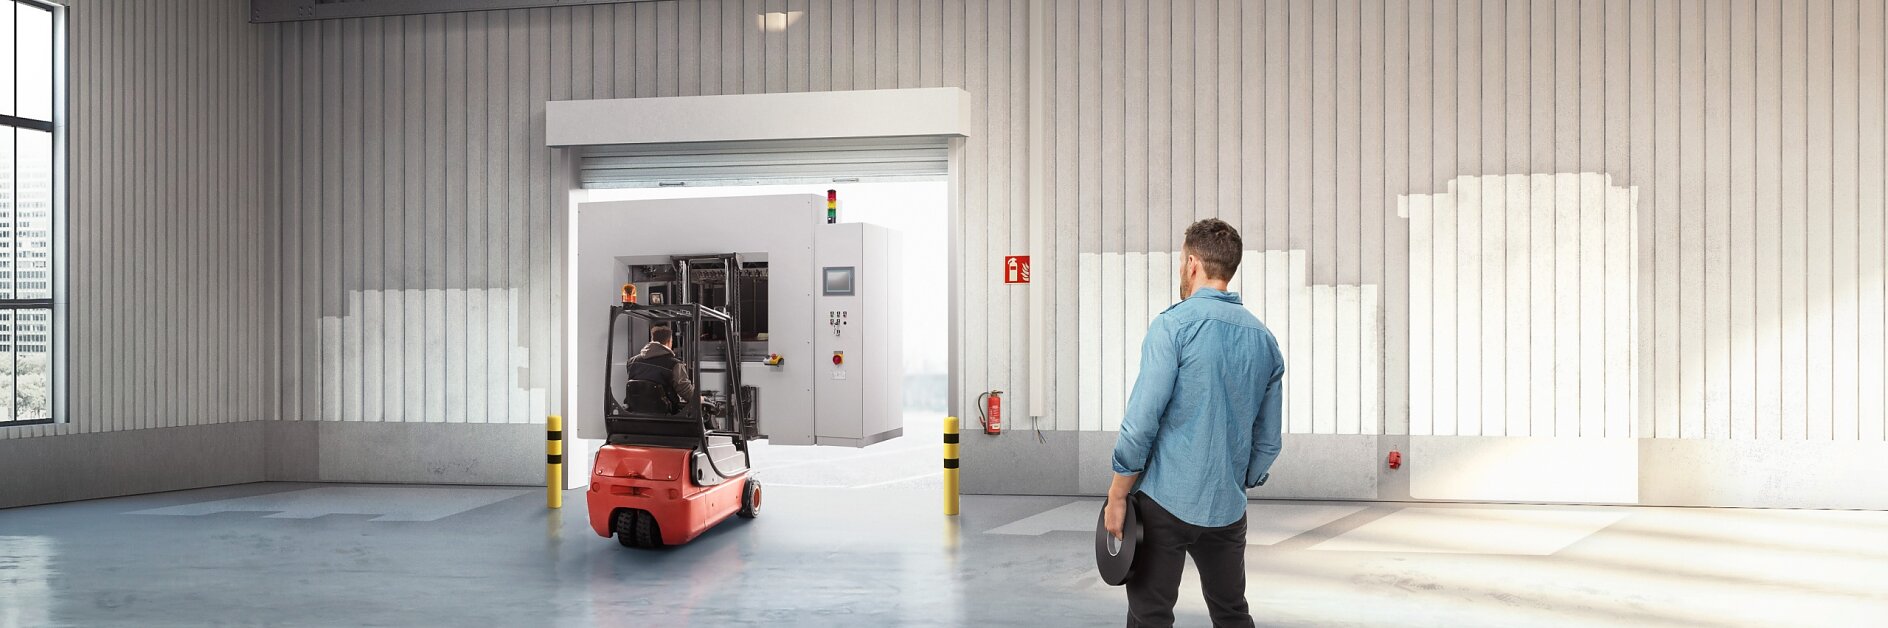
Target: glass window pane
[[7, 334], [35, 63], [32, 355], [8, 194], [32, 216], [7, 9]]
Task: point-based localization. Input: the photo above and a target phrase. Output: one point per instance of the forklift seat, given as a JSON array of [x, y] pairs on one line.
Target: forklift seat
[[646, 397]]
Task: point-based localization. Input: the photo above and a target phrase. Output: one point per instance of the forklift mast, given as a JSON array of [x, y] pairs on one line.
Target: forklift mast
[[740, 397], [695, 425]]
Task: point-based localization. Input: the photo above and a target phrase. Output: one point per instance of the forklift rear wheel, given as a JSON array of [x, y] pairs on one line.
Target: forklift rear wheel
[[637, 528], [750, 499]]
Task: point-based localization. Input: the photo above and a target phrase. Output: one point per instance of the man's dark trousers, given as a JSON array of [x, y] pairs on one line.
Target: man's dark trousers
[[1166, 541]]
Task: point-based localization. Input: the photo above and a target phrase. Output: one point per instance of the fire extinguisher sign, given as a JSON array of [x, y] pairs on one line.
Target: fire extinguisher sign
[[1016, 269]]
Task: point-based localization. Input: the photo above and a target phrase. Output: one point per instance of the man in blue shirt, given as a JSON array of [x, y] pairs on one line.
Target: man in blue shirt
[[1202, 427]]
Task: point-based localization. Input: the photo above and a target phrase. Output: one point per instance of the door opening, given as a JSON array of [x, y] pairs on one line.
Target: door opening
[[919, 211]]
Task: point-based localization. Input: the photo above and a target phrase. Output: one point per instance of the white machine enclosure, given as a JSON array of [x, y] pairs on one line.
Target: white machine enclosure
[[802, 401], [861, 322]]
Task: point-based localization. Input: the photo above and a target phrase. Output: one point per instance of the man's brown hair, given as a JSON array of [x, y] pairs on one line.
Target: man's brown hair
[[661, 334], [1217, 245]]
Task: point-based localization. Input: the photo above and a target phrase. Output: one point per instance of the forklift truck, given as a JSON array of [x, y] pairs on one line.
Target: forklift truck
[[667, 474]]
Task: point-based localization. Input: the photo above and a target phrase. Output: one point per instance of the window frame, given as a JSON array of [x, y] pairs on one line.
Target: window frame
[[53, 305]]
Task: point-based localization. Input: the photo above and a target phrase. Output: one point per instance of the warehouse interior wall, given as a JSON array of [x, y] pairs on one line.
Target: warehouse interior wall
[[167, 252], [352, 226], [1551, 251], [1645, 234], [1572, 251]]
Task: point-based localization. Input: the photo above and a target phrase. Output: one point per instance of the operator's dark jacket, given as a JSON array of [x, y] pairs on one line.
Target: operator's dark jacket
[[658, 364]]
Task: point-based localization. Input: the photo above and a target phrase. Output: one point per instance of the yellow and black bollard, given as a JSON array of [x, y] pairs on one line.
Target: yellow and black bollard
[[950, 465], [554, 461]]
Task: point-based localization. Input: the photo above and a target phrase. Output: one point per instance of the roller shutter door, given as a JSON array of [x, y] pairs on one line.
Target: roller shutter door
[[765, 162]]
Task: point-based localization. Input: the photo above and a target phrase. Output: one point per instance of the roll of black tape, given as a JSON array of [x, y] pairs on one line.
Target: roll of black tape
[[1115, 557]]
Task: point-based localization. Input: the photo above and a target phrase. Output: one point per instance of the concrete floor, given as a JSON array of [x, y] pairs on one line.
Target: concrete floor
[[831, 550]]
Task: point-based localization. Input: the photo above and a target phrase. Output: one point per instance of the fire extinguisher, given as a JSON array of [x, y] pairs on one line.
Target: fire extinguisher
[[990, 407]]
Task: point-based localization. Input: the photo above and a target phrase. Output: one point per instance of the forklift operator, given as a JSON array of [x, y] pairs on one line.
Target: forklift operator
[[658, 363]]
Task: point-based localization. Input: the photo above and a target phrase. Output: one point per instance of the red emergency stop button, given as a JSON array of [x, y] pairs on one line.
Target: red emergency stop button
[[839, 357]]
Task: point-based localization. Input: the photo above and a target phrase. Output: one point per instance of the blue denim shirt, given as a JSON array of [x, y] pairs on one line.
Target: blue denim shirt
[[1203, 422]]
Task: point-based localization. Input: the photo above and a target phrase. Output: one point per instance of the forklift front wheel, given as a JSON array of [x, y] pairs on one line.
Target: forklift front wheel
[[750, 499]]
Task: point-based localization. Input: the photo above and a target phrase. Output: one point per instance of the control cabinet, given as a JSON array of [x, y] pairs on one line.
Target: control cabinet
[[859, 383]]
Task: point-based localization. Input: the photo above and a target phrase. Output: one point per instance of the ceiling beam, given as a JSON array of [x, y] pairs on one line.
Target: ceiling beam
[[264, 11]]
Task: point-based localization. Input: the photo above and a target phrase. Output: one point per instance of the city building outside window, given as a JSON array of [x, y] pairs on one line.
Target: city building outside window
[[27, 170]]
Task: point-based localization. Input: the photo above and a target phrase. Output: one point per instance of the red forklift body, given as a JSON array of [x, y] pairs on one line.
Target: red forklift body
[[656, 480]]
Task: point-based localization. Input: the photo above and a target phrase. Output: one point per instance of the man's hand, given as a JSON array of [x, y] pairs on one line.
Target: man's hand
[[1115, 516]]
